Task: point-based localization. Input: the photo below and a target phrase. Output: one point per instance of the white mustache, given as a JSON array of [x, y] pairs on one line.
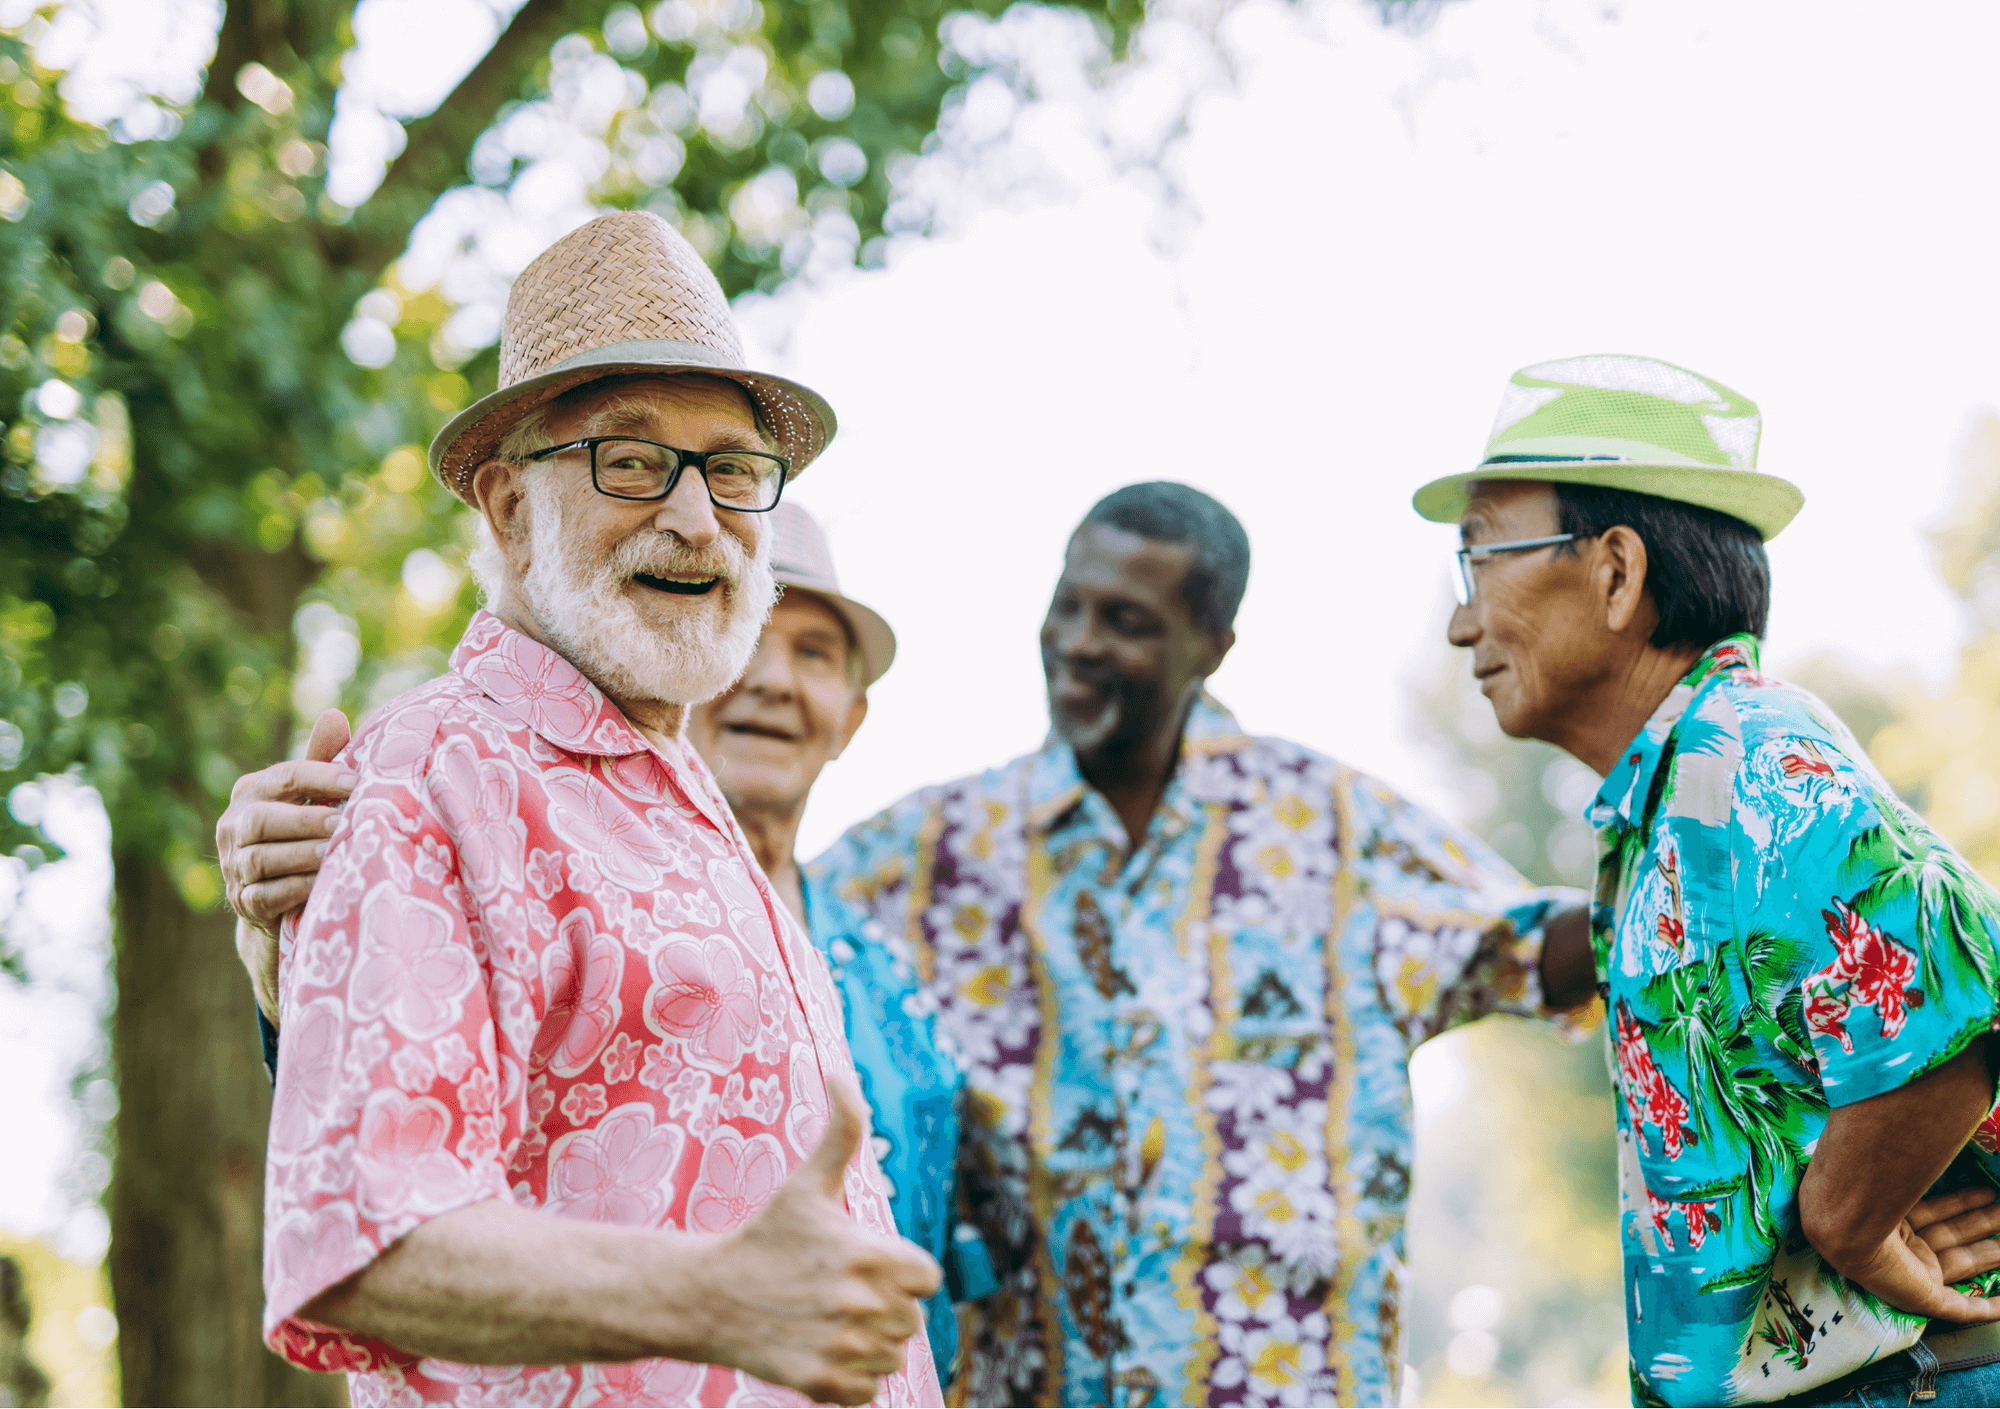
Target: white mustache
[[661, 555]]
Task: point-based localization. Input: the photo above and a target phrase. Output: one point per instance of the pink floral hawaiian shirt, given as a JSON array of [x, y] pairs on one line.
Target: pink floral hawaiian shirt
[[541, 965]]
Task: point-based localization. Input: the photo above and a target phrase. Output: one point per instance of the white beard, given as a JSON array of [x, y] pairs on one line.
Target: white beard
[[593, 625]]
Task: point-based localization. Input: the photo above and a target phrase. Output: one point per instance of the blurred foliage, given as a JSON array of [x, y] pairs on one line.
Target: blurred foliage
[[1942, 751], [72, 1327], [188, 449]]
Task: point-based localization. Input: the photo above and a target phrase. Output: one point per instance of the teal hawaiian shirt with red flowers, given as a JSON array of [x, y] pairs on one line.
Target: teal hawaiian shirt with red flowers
[[1777, 934]]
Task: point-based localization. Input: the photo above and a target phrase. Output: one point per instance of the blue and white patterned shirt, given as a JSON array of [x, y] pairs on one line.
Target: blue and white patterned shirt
[[1188, 1142]]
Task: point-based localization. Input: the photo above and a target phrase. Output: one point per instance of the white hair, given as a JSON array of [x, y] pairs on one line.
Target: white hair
[[485, 561]]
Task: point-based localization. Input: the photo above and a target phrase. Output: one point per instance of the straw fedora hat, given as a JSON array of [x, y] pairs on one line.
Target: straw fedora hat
[[619, 294], [802, 562], [1629, 423]]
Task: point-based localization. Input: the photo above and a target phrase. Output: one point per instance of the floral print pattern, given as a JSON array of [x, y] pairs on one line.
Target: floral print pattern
[[1187, 1141], [1779, 935], [540, 965]]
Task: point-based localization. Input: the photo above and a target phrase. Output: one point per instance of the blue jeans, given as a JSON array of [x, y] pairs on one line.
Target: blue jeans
[[1908, 1377]]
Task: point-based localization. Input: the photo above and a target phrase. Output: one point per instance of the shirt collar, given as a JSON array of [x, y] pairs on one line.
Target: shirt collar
[[1056, 786], [533, 685], [1630, 782]]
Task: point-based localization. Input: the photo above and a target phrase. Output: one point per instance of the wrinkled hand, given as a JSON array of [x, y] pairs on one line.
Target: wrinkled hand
[[1944, 1240], [272, 837], [801, 1296]]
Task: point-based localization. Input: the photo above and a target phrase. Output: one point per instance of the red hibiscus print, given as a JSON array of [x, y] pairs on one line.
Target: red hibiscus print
[[1826, 1014], [1805, 765], [1649, 1096], [1869, 970], [1698, 1217], [1701, 1219]]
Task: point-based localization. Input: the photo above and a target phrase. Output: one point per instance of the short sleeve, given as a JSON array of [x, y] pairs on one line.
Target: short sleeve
[[1889, 932], [387, 1110], [1459, 932]]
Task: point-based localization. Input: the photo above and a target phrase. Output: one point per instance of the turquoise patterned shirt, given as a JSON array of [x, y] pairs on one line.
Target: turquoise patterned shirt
[[914, 1089], [1777, 935], [1188, 1140]]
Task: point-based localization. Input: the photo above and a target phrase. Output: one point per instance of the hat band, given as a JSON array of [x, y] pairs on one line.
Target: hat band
[[1545, 459]]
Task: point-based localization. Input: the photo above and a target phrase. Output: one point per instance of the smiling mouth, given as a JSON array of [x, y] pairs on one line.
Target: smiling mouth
[[684, 586], [758, 731]]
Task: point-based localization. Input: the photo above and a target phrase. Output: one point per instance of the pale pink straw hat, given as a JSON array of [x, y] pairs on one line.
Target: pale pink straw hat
[[623, 293], [802, 561]]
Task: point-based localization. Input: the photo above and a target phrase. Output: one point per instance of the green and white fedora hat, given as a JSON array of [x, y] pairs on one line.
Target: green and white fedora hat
[[1631, 423]]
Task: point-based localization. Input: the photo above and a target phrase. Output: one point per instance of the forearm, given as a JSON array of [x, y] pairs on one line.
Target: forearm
[[1877, 1157], [259, 954], [493, 1284], [1569, 965]]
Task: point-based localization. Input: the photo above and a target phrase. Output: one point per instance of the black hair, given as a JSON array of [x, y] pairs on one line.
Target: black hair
[[1706, 571], [1165, 512]]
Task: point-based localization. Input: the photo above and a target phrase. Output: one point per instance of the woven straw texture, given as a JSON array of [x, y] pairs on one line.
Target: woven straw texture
[[628, 277]]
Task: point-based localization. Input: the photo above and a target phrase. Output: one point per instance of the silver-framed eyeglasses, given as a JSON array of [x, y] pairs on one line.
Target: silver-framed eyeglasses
[[1481, 551], [747, 481]]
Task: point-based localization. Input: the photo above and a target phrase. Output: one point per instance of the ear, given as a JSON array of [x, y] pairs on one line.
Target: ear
[[1619, 572], [500, 491], [1215, 647], [856, 712]]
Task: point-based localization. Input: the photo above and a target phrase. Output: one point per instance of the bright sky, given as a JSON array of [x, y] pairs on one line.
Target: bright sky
[[1390, 224], [1795, 201]]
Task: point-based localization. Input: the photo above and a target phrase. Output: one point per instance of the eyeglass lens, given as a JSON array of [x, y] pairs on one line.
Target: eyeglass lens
[[638, 469]]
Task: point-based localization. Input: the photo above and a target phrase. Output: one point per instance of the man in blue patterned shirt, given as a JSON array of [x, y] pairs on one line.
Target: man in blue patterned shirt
[[1186, 968], [1801, 975]]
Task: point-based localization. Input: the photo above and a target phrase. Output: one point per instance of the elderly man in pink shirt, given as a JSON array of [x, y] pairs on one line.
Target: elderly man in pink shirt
[[564, 1111]]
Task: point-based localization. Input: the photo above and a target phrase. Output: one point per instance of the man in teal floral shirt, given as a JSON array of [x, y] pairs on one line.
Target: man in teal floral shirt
[[1186, 968], [1801, 976]]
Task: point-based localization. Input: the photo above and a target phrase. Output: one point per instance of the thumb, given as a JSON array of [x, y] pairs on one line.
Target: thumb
[[826, 1167], [329, 736]]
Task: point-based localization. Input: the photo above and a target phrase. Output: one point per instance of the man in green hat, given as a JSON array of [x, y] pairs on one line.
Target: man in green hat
[[1800, 974]]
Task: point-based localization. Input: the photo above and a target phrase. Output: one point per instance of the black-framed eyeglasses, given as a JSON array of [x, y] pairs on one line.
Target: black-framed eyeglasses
[[1482, 551], [747, 481]]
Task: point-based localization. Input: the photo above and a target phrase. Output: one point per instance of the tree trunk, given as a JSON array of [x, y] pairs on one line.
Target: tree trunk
[[188, 1203]]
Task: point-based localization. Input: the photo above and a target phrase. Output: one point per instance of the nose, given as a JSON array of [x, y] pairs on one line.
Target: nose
[[1075, 636], [770, 673], [1463, 628], [688, 513]]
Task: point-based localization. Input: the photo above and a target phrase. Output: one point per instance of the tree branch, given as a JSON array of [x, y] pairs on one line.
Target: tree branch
[[439, 144]]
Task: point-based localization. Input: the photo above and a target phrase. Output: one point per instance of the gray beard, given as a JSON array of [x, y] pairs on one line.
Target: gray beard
[[592, 625]]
